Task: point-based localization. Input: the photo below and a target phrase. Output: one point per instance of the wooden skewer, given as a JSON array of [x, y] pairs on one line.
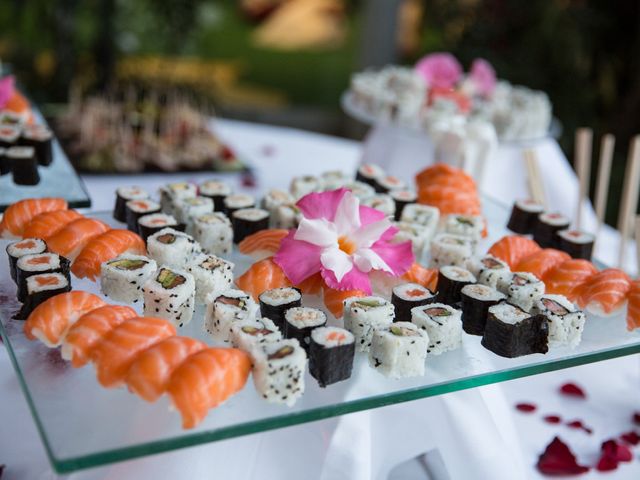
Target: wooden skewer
[[607, 146], [534, 180], [637, 245], [584, 141], [629, 202]]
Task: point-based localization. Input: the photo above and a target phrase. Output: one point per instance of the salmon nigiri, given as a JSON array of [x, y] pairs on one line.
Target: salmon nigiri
[[19, 214], [606, 291], [103, 248], [633, 306], [263, 243], [47, 224], [89, 329], [513, 248], [70, 241], [312, 285], [150, 373], [334, 299], [427, 277], [540, 262], [118, 349], [263, 275], [568, 277], [205, 380], [51, 320]]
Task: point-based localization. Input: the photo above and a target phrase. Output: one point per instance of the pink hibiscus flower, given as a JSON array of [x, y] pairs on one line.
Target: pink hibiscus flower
[[7, 88], [440, 70], [483, 77], [342, 240]]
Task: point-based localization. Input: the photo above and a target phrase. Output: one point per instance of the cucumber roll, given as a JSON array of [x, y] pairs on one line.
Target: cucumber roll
[[382, 202], [362, 315], [469, 226], [415, 233], [211, 274], [188, 209], [154, 222], [248, 221], [476, 300], [171, 247], [402, 198], [226, 308], [424, 215], [123, 195], [42, 287], [18, 249], [287, 217], [511, 332], [451, 280], [273, 200], [331, 351], [524, 289], [333, 180], [546, 228], [24, 165], [407, 296], [249, 334], [301, 321], [301, 186], [447, 249], [134, 209], [443, 325], [566, 322], [216, 191], [524, 215], [34, 264], [491, 271], [576, 243], [361, 190], [122, 278], [275, 303], [399, 350], [170, 294], [278, 371], [214, 233], [172, 192]]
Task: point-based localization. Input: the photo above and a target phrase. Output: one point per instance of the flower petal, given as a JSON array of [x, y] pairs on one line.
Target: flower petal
[[337, 261], [369, 215], [318, 231], [322, 204], [399, 256], [367, 235], [347, 218], [354, 280], [299, 260], [367, 260]]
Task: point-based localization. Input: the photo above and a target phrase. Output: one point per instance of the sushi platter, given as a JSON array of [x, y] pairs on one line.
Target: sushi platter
[[227, 292]]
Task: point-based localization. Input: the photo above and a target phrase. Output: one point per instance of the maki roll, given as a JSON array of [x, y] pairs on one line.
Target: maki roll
[[154, 222], [447, 249], [216, 191], [172, 192], [23, 165], [214, 233], [451, 280], [524, 289], [361, 190], [171, 247], [134, 209], [511, 332], [331, 351], [28, 246], [34, 264], [491, 271], [237, 202], [5, 164], [211, 274], [301, 186], [226, 308], [187, 209], [122, 278], [399, 350], [469, 226], [248, 221], [546, 228], [41, 287], [416, 234], [388, 183], [443, 325], [362, 315], [524, 216], [424, 215], [476, 300], [123, 195], [278, 371], [407, 296], [170, 294], [286, 217], [41, 139], [576, 243], [249, 334], [300, 322], [9, 135], [566, 322], [273, 200], [275, 303], [382, 202], [369, 174], [333, 180], [402, 198]]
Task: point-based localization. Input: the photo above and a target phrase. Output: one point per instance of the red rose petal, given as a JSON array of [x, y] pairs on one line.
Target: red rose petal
[[636, 418], [572, 390], [558, 459], [580, 425], [632, 438], [552, 419], [617, 450], [526, 407], [606, 464], [248, 180]]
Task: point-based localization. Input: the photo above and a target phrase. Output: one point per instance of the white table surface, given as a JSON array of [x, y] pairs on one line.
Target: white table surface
[[477, 432]]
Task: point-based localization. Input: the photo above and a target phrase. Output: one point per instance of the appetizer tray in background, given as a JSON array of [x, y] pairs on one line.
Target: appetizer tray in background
[[83, 424]]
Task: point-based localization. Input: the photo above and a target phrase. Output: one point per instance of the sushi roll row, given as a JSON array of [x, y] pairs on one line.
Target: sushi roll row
[[550, 229], [24, 148]]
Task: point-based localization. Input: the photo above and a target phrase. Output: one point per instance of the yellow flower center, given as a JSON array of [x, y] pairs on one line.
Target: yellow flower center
[[346, 245]]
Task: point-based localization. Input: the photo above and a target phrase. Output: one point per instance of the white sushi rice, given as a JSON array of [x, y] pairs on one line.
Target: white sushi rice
[[301, 186], [238, 201], [214, 233], [249, 334], [123, 284], [414, 233], [447, 249], [171, 247], [175, 191], [390, 182], [187, 209], [530, 206], [132, 192], [280, 296], [361, 190], [18, 249], [443, 325], [524, 290], [507, 313], [362, 315], [399, 351], [566, 322], [226, 308], [424, 215], [382, 202], [173, 303], [278, 371], [212, 188], [482, 292], [469, 226], [275, 198], [331, 337], [371, 171], [212, 275], [333, 180]]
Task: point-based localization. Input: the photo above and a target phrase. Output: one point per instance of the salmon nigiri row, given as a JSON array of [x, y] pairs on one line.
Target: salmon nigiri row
[[18, 215], [449, 189], [142, 352]]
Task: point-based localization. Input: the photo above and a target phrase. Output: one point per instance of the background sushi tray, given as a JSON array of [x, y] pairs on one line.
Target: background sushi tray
[[83, 424]]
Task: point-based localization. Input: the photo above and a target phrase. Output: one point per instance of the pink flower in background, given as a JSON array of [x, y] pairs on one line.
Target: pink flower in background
[[483, 77], [342, 240], [7, 88], [440, 70]]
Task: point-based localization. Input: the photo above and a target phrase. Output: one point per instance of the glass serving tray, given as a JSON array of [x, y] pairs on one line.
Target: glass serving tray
[[84, 425]]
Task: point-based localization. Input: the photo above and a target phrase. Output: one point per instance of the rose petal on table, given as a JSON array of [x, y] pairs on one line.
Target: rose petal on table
[[553, 419], [617, 450], [526, 407], [632, 438], [572, 390], [558, 459], [578, 424]]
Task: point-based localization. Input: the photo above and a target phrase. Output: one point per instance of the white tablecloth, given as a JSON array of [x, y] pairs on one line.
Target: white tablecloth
[[473, 430]]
